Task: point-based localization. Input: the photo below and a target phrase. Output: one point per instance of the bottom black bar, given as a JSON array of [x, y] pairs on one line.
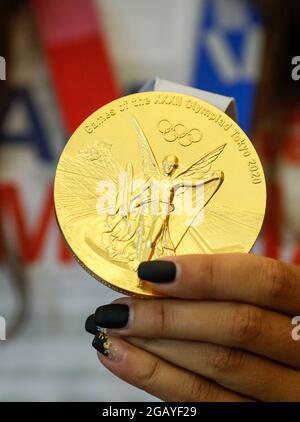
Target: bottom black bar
[[134, 411]]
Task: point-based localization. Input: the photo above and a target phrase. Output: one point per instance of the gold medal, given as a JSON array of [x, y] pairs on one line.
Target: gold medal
[[156, 174]]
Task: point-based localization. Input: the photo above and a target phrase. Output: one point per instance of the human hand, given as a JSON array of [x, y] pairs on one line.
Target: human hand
[[222, 334]]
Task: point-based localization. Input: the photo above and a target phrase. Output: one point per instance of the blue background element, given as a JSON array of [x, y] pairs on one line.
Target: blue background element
[[208, 77]]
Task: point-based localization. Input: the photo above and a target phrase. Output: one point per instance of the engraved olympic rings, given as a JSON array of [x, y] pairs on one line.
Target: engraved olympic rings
[[179, 132]]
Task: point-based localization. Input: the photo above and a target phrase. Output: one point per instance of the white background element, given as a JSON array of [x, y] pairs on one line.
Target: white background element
[[154, 38]]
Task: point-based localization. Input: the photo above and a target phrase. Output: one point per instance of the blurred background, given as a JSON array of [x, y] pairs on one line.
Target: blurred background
[[60, 61]]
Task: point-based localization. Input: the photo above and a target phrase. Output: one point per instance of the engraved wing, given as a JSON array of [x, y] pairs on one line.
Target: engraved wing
[[197, 177], [222, 230], [149, 163], [200, 166], [198, 172]]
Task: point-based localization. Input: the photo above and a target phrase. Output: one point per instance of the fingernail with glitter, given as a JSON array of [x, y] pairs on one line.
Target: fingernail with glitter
[[114, 315], [157, 271], [107, 346]]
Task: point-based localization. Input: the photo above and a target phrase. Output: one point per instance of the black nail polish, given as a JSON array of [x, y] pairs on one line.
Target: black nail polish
[[90, 325], [114, 315], [100, 342], [158, 271]]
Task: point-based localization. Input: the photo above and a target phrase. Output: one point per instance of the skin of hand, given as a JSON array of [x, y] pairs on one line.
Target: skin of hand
[[222, 331]]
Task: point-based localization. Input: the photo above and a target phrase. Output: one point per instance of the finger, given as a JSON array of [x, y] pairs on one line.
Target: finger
[[242, 372], [239, 277], [230, 324], [159, 378]]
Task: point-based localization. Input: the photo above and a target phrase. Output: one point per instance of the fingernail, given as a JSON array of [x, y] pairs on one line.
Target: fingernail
[[158, 271], [90, 325], [108, 346], [114, 315]]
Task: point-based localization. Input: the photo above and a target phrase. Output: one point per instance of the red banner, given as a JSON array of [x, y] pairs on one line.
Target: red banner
[[78, 61]]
